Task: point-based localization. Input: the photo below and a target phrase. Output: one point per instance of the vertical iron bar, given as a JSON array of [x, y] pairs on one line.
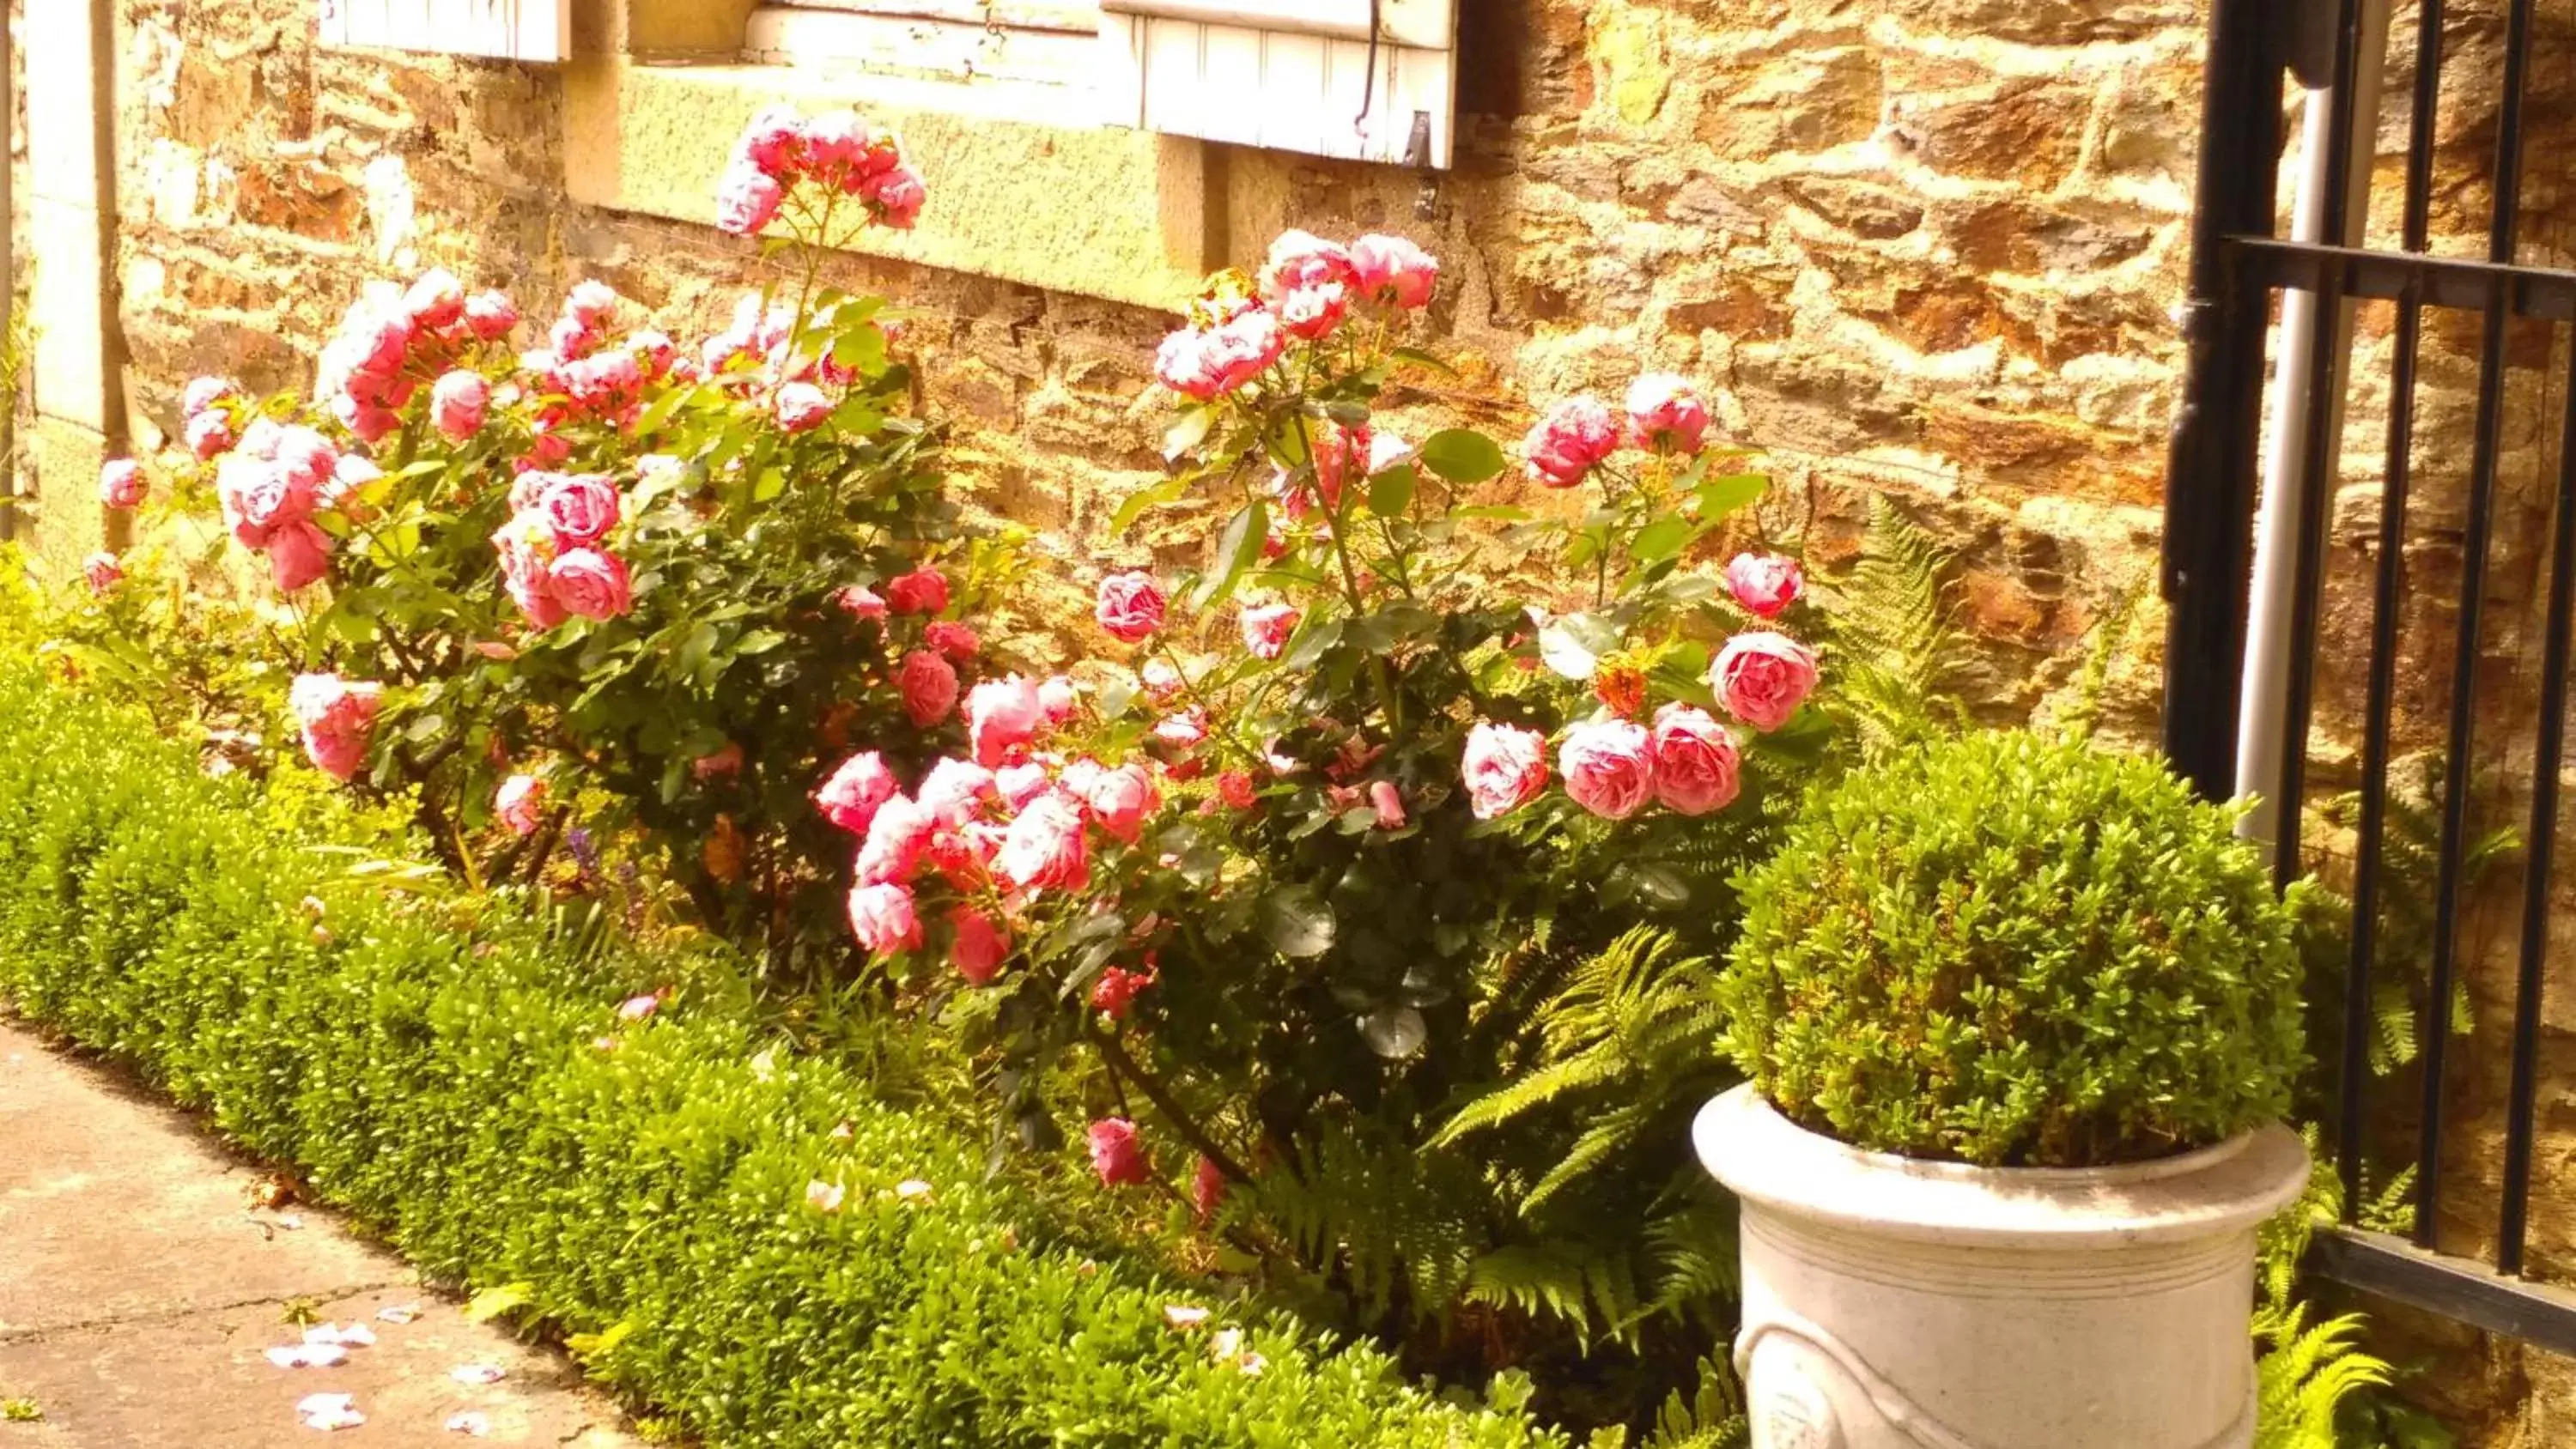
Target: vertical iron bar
[[2317, 474], [2519, 1124], [2473, 585], [2209, 489], [2386, 599]]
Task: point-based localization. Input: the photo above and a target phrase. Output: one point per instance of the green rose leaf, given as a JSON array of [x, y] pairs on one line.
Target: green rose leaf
[[1461, 455], [1573, 645], [1297, 923]]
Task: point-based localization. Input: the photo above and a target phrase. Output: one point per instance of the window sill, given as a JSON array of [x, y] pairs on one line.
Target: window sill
[[1016, 193]]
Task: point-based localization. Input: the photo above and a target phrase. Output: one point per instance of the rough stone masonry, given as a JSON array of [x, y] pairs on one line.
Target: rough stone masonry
[[1926, 249]]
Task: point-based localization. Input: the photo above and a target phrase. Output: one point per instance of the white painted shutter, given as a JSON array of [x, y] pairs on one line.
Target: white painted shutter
[[535, 30], [1293, 75]]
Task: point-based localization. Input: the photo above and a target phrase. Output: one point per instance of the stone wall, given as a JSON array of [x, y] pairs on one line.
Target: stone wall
[[1927, 249]]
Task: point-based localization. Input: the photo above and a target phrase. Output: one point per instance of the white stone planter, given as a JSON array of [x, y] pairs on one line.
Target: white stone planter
[[1897, 1304]]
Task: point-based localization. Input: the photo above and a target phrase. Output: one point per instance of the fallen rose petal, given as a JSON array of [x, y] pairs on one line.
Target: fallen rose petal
[[308, 1355], [910, 1188], [824, 1197], [475, 1373], [329, 1411], [469, 1422], [1181, 1315], [1226, 1343], [290, 1222], [1252, 1364], [399, 1313]]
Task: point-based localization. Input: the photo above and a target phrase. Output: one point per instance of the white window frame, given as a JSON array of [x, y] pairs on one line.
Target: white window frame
[[538, 31]]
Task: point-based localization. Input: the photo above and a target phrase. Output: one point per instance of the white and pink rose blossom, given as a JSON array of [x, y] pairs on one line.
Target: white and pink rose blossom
[[1764, 583], [1505, 768], [1762, 677], [1696, 766]]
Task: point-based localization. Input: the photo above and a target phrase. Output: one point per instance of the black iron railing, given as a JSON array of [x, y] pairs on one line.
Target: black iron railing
[[2239, 266]]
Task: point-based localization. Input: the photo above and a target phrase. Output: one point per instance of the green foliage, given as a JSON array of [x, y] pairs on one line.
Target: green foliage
[[1895, 657], [452, 1070], [2010, 951]]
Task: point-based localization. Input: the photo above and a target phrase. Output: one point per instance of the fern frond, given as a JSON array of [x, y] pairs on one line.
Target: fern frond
[[1896, 655]]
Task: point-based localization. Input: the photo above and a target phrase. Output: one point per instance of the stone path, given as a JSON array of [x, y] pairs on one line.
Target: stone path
[[139, 1291]]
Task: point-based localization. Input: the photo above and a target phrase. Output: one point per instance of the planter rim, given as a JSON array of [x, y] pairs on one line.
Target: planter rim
[[1767, 1159]]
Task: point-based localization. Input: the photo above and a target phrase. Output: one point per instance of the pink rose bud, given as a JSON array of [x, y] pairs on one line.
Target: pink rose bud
[[803, 407], [299, 554], [1762, 678], [103, 573], [977, 946], [860, 602], [1609, 767], [1045, 849], [923, 591], [210, 433], [773, 141], [1505, 768], [121, 485], [1697, 769], [1236, 789], [590, 584], [436, 300], [1056, 696], [1764, 584], [897, 197], [1002, 716], [205, 392], [457, 403], [1665, 411], [1564, 446], [1130, 607], [639, 1008], [1266, 628], [1122, 799], [491, 316], [1392, 269], [1115, 1154], [850, 798], [520, 804], [1207, 1188], [883, 920], [1114, 990], [1389, 804], [928, 685]]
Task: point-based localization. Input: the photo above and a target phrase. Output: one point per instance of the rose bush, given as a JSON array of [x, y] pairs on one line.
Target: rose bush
[[610, 575]]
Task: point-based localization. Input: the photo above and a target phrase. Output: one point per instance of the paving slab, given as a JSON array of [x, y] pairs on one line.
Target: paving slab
[[140, 1291]]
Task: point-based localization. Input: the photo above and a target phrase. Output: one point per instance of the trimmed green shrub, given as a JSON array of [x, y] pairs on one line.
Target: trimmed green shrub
[[2011, 951], [453, 1070]]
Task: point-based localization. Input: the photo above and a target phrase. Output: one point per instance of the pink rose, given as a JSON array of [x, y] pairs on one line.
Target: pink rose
[[1504, 769], [1311, 313], [590, 584], [882, 918], [849, 799], [1162, 682], [436, 300], [580, 507], [1207, 1188], [103, 573], [955, 640], [1130, 607], [977, 947], [1762, 678], [1056, 697], [121, 485], [1765, 583], [1114, 990], [1185, 730], [1002, 715], [205, 392], [520, 804], [491, 316], [923, 591], [1236, 789], [526, 545], [1019, 784], [747, 199], [1115, 1154], [774, 141], [861, 603], [259, 497], [1266, 628], [896, 197], [1236, 352], [298, 555], [802, 407], [1183, 365], [1570, 441], [1122, 799], [1609, 767], [350, 477], [832, 142], [1665, 411], [1045, 849], [307, 459], [953, 789], [209, 434], [457, 403], [591, 303], [1392, 269], [897, 836], [928, 685], [336, 717], [1388, 801], [1302, 259], [1696, 765]]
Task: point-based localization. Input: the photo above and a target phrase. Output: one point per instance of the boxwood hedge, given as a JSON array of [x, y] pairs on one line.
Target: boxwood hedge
[[453, 1074]]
